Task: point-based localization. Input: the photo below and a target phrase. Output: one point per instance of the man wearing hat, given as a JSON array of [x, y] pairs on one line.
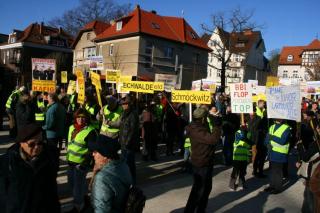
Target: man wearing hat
[[202, 152], [81, 133], [109, 115], [28, 174], [112, 178]]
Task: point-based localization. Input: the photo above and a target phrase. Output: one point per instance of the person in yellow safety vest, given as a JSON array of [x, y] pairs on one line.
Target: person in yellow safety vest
[[186, 157], [11, 109], [241, 158], [40, 109], [81, 135], [92, 108], [260, 109], [277, 142], [72, 107], [110, 114]]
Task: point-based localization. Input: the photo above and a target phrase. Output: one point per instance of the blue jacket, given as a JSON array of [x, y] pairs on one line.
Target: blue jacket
[[55, 122], [110, 187], [276, 156]]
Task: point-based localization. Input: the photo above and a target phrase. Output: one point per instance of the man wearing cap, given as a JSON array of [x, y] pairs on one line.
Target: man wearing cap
[[81, 133], [109, 115], [202, 153], [112, 178], [28, 174]]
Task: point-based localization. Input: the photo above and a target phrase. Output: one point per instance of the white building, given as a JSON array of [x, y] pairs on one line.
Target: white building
[[246, 61], [294, 59]]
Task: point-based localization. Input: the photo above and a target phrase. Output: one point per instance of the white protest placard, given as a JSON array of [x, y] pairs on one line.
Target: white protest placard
[[241, 98], [284, 102]]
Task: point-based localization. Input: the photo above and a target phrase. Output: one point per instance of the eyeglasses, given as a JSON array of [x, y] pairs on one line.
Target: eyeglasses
[[124, 103], [34, 144]]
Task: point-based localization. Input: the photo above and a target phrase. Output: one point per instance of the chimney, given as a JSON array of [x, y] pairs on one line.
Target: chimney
[[112, 22], [154, 12], [41, 28], [137, 7]]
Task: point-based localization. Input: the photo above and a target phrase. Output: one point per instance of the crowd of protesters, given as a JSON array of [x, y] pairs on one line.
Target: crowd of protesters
[[105, 139]]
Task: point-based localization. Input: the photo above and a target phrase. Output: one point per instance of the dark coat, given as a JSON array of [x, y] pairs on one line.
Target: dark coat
[[202, 143], [129, 130], [25, 113], [30, 187]]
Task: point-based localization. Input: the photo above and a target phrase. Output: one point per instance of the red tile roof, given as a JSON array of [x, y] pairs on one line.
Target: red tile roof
[[314, 45], [96, 26], [140, 21], [295, 51]]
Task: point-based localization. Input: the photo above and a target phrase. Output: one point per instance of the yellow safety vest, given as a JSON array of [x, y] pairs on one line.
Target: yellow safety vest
[[284, 149], [9, 101], [111, 116], [40, 116], [187, 143], [78, 148], [241, 150], [260, 112]]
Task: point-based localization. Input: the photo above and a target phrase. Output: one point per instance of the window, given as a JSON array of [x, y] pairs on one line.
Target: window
[[218, 73], [241, 44], [111, 50], [88, 36], [290, 58], [237, 58], [193, 35], [149, 47], [119, 25], [147, 63], [168, 52], [285, 74], [88, 52], [210, 57], [295, 74], [155, 26], [100, 50], [196, 57]]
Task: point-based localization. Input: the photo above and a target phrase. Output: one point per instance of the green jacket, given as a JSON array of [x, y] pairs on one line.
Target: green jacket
[[55, 121]]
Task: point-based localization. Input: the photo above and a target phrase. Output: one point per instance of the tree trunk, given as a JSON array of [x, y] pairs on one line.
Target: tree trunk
[[223, 77]]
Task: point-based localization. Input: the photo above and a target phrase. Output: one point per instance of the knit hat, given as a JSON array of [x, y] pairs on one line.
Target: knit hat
[[106, 146], [27, 132], [199, 113]]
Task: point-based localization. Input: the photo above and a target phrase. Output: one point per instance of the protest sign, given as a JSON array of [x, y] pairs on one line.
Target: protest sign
[[203, 84], [168, 80], [272, 81], [64, 77], [96, 63], [112, 76], [241, 98], [95, 80], [80, 87], [71, 87], [284, 102], [43, 86], [142, 86], [189, 96]]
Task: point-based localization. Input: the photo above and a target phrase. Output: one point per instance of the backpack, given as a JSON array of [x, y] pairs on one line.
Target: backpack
[[136, 200]]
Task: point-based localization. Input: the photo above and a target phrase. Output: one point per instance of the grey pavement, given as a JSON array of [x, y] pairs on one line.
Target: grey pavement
[[167, 188]]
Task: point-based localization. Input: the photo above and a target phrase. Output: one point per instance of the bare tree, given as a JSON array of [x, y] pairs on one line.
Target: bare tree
[[88, 10], [224, 24], [116, 59], [274, 57], [313, 70]]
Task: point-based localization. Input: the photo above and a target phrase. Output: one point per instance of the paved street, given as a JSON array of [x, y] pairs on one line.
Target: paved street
[[167, 188]]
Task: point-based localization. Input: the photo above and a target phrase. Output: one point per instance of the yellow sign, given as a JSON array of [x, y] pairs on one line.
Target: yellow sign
[[142, 86], [112, 76], [71, 87], [95, 80], [44, 86], [124, 78], [189, 96], [64, 77], [272, 81], [256, 98], [212, 88], [81, 90]]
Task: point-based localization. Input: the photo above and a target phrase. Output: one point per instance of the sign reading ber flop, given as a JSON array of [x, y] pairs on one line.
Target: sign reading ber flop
[[188, 96], [142, 86], [241, 98]]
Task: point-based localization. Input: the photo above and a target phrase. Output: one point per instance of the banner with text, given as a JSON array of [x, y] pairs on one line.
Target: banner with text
[[80, 86], [284, 102], [43, 86], [112, 76], [189, 96], [95, 80], [71, 87], [241, 98], [64, 77], [168, 80], [142, 86], [96, 63]]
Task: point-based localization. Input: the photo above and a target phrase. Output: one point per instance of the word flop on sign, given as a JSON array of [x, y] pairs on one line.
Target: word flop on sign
[[241, 98], [188, 96], [142, 86]]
